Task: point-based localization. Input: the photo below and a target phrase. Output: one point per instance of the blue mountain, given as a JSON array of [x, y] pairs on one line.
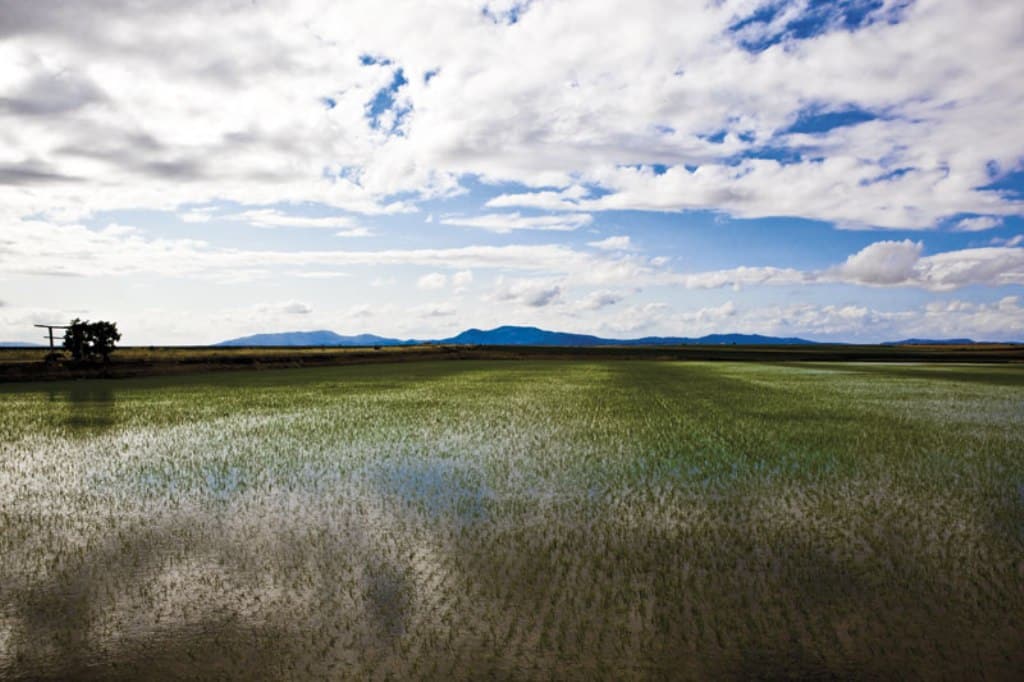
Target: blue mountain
[[523, 336], [506, 336], [930, 342], [315, 338], [532, 336], [719, 340]]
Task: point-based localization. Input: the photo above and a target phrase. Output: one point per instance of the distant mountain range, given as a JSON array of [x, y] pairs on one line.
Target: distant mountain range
[[505, 336], [930, 342], [526, 336], [317, 338]]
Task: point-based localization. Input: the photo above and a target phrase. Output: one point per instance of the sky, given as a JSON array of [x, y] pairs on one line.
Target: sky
[[835, 170]]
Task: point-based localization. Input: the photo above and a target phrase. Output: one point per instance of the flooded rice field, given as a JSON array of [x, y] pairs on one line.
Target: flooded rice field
[[524, 520]]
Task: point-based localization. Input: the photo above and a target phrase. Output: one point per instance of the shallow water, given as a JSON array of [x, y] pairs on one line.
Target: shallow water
[[517, 520]]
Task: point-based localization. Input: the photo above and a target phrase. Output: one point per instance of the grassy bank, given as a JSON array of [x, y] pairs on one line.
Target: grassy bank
[[28, 364]]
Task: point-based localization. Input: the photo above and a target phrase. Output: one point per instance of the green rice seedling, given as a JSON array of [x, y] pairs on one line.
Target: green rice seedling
[[527, 519]]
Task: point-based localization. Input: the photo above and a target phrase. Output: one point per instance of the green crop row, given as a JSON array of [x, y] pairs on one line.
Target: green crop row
[[516, 519]]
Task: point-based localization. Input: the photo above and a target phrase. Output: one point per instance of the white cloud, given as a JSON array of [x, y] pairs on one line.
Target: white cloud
[[272, 218], [977, 224], [993, 266], [354, 232], [1015, 240], [882, 264], [618, 243], [197, 215], [99, 119], [433, 310], [636, 319], [533, 293], [461, 280], [320, 274], [40, 248], [286, 308], [363, 311], [507, 222], [596, 300], [433, 280], [98, 112], [901, 264], [561, 200], [999, 320], [736, 277]]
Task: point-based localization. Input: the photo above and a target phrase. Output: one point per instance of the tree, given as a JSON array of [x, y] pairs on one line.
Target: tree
[[91, 340], [103, 339], [74, 339]]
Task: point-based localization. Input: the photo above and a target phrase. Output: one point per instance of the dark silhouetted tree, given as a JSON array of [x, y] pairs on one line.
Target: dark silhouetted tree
[[74, 339], [91, 340]]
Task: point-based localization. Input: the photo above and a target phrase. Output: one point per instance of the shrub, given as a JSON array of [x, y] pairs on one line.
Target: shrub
[[91, 340]]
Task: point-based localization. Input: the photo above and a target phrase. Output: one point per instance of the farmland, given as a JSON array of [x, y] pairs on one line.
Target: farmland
[[529, 519], [26, 364]]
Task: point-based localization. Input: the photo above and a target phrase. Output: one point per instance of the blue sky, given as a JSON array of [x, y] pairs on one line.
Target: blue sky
[[835, 170]]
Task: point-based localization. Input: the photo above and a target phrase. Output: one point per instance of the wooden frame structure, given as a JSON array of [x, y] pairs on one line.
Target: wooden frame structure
[[51, 327]]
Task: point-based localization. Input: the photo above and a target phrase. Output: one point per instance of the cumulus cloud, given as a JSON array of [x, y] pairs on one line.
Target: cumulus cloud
[[1015, 240], [433, 280], [273, 218], [992, 266], [528, 292], [362, 311], [978, 224], [428, 310], [617, 243], [285, 308], [998, 320], [892, 263], [293, 115], [682, 111], [596, 300], [40, 248], [320, 274], [882, 264], [638, 318], [507, 222], [461, 280], [736, 277], [544, 200], [198, 215]]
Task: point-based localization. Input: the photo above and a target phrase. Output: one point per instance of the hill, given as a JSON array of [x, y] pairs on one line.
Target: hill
[[532, 336], [930, 342], [315, 338], [719, 340], [508, 335], [523, 336]]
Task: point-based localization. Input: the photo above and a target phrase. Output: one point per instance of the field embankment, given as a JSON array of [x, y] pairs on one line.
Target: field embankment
[[28, 364]]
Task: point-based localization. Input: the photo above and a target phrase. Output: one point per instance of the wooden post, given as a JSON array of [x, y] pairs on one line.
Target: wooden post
[[50, 328]]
